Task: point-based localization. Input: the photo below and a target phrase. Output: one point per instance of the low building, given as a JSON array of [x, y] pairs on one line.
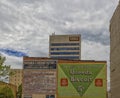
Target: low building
[[39, 77], [16, 78], [52, 78]]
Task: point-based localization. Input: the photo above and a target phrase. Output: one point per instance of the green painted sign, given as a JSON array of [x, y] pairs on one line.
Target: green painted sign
[[82, 80]]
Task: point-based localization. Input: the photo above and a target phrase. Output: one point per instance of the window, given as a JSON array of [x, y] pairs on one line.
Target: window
[[64, 53], [64, 44], [47, 96], [27, 97], [66, 48], [50, 96], [65, 57], [44, 65]]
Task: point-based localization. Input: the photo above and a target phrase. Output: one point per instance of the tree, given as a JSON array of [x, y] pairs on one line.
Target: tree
[[4, 69], [7, 92], [19, 93]]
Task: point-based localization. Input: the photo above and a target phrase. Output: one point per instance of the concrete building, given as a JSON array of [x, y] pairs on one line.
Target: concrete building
[[65, 46], [16, 78], [115, 53]]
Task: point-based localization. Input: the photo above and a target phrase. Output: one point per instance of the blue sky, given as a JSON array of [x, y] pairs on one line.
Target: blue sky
[[25, 26], [12, 52]]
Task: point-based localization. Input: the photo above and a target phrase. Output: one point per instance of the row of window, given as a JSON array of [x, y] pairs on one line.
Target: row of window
[[65, 57], [39, 66], [15, 80], [71, 48], [64, 44], [64, 53]]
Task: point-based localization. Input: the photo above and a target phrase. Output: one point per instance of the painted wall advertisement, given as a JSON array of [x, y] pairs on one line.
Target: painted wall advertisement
[[77, 80]]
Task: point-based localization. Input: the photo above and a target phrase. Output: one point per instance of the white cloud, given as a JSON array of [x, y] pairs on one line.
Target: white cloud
[[97, 51], [94, 51], [14, 62], [27, 24]]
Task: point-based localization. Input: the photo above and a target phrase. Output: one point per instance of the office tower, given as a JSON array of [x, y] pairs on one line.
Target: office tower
[[65, 46], [115, 53]]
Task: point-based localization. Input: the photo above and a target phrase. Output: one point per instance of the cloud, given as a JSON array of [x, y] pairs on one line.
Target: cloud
[[92, 50], [14, 62], [25, 26]]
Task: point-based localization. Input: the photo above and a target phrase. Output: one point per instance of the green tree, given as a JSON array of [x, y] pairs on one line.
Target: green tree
[[4, 69], [7, 92], [19, 93], [5, 72]]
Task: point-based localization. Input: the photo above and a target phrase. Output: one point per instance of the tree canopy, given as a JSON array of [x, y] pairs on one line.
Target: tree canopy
[[19, 93], [4, 69], [7, 92]]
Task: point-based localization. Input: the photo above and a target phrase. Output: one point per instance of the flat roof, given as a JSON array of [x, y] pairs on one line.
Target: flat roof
[[62, 60]]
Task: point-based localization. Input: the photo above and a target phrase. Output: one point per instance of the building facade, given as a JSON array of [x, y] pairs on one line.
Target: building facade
[[39, 77], [16, 78], [51, 78], [115, 53], [65, 46]]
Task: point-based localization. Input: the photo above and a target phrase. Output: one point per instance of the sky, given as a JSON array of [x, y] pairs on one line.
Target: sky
[[25, 26]]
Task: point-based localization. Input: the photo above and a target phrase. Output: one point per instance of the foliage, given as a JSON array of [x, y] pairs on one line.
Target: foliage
[[7, 92], [19, 93], [4, 69]]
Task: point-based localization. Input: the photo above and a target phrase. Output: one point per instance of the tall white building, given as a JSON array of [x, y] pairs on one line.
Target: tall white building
[[65, 46]]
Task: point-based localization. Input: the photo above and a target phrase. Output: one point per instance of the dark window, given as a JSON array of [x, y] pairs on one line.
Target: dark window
[[69, 48], [64, 44], [47, 96], [45, 65], [64, 53], [27, 97], [65, 57], [50, 96]]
